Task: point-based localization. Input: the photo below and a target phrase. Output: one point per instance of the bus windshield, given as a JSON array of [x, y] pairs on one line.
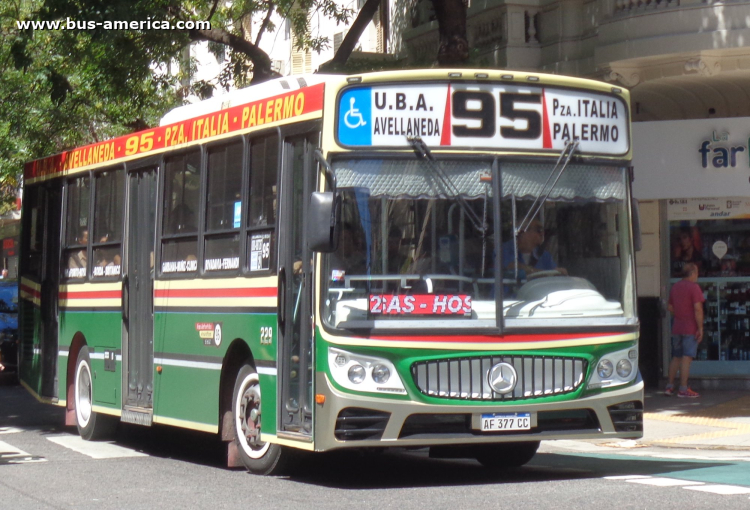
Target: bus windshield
[[417, 245]]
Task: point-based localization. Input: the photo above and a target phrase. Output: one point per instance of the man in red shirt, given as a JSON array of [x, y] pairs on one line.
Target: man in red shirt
[[686, 303]]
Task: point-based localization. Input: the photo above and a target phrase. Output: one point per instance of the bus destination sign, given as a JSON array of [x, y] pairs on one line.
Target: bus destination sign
[[484, 116], [271, 110], [420, 304]]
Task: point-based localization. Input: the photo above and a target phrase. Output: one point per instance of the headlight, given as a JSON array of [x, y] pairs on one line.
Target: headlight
[[624, 367], [604, 369], [615, 369], [364, 373], [380, 374], [357, 374]]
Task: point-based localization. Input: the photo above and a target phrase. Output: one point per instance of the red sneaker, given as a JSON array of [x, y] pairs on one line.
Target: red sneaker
[[688, 393], [669, 391]]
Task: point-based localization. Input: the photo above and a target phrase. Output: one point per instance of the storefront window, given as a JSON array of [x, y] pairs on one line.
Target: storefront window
[[714, 234]]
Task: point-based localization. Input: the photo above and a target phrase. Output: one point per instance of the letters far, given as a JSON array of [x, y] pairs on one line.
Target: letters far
[[723, 157]]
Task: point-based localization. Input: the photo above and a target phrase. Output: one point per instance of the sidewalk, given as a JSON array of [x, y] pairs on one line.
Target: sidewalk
[[715, 420]]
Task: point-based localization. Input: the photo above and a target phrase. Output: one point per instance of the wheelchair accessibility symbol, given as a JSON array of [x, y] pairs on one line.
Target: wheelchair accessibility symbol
[[353, 118]]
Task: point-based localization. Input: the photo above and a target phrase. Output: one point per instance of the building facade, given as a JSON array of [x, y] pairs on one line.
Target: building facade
[[687, 65]]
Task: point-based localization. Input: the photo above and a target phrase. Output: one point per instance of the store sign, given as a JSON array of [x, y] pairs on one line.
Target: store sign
[[719, 153], [691, 159], [9, 247], [707, 208], [482, 116]]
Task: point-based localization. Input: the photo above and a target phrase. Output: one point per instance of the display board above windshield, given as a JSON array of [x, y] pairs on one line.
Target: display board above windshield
[[482, 116]]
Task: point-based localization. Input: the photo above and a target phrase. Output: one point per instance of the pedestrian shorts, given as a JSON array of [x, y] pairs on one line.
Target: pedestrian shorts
[[684, 345]]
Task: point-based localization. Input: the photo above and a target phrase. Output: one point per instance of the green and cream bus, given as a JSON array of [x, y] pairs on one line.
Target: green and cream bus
[[435, 258]]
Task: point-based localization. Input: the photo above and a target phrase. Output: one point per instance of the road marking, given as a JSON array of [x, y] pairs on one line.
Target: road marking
[[724, 490], [721, 489], [10, 430], [9, 454], [625, 477], [95, 449], [664, 482]]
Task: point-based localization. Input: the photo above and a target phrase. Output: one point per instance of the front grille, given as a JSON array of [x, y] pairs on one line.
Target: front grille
[[466, 378], [356, 424]]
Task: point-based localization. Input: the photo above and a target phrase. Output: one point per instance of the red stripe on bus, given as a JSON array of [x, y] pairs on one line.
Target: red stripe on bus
[[496, 339], [93, 294], [280, 107], [248, 292], [546, 135], [30, 290], [445, 138]]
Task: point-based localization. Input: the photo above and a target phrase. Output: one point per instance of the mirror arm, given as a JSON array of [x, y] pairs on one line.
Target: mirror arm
[[330, 176]]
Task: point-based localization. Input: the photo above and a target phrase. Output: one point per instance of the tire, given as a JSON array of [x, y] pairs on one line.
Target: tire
[[258, 457], [506, 455], [92, 426]]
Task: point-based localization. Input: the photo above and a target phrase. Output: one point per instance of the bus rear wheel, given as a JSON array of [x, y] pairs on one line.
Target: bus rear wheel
[[506, 455], [92, 426], [258, 457]]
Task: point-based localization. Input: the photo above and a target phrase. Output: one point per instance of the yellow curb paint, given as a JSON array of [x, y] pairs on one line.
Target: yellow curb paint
[[716, 416]]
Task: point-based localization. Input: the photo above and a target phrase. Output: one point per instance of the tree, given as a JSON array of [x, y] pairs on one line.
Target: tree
[[65, 88], [453, 50], [52, 98]]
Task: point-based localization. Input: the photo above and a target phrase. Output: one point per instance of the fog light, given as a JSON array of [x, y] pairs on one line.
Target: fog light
[[624, 368], [341, 359], [605, 369], [380, 374], [357, 374]]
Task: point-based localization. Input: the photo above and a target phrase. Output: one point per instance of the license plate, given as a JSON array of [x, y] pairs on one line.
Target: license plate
[[497, 421]]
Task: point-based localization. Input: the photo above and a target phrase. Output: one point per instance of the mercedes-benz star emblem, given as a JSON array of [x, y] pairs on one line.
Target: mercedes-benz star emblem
[[502, 378]]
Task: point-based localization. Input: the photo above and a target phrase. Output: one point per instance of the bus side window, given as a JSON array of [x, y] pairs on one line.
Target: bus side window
[[33, 224], [180, 223], [223, 208], [261, 236], [109, 194], [77, 228]]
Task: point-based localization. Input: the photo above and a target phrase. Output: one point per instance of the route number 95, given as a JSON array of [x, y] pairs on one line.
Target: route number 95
[[476, 105]]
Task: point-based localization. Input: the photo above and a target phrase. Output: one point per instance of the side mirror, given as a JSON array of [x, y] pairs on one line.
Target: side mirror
[[323, 214], [635, 213]]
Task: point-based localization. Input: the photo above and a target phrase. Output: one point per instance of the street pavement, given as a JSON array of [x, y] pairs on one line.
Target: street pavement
[[715, 425]]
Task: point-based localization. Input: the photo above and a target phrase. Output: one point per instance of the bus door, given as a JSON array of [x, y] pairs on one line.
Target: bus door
[[295, 283], [138, 290], [50, 282]]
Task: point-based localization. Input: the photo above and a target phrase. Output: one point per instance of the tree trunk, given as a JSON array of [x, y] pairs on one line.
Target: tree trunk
[[453, 50], [352, 36], [262, 70]]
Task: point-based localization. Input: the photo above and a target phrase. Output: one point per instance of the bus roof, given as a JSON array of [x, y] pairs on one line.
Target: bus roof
[[278, 101]]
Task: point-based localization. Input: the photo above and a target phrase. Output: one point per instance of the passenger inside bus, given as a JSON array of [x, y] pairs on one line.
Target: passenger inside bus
[[532, 257], [350, 254], [78, 259], [398, 260], [182, 220]]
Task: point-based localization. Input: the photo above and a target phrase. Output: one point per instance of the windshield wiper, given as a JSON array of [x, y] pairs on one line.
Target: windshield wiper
[[423, 152], [570, 149]]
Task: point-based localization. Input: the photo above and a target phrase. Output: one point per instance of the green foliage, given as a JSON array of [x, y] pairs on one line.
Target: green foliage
[[60, 89], [65, 88]]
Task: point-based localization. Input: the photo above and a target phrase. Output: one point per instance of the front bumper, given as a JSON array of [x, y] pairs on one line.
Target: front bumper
[[356, 421]]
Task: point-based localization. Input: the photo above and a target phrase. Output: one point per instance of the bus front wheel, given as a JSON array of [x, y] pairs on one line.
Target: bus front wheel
[[92, 426], [258, 457], [507, 455]]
